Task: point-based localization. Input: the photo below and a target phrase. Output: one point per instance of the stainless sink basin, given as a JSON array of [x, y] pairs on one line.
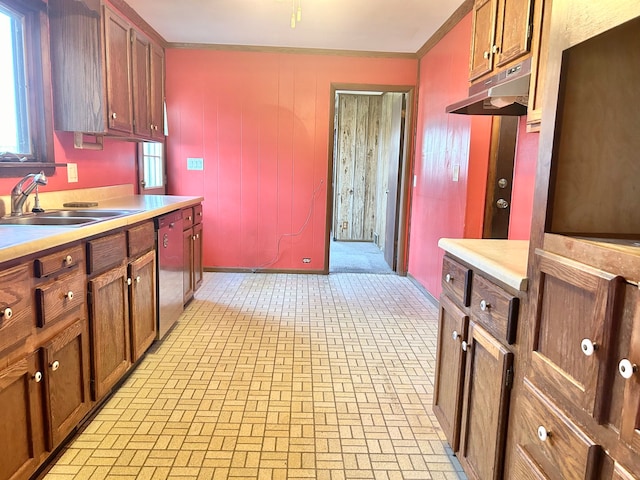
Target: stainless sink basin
[[65, 217]]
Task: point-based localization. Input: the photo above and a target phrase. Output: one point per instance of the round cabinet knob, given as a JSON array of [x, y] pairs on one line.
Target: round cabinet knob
[[543, 434], [7, 313], [199, 214], [455, 335], [114, 115], [193, 237], [37, 377], [486, 55], [588, 347], [465, 346], [495, 49], [138, 279], [626, 368], [484, 306], [197, 236], [68, 260], [69, 295], [448, 278], [55, 365], [151, 127], [129, 281]]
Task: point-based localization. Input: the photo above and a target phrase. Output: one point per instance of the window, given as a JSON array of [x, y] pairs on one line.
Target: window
[[26, 133], [151, 168]]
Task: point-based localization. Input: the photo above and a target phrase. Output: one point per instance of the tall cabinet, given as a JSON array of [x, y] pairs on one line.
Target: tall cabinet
[[576, 402]]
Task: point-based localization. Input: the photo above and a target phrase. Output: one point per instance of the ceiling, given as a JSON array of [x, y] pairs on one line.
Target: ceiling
[[366, 25]]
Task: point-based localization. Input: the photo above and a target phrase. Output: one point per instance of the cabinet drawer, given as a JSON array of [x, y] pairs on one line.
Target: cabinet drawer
[[106, 252], [59, 297], [140, 239], [456, 280], [187, 218], [16, 314], [197, 214], [553, 443], [59, 261], [495, 309]]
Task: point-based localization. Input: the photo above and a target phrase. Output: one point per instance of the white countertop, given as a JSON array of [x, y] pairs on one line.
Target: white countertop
[[19, 240], [505, 260]]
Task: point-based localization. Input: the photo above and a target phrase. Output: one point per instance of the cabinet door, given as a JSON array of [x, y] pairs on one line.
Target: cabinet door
[[576, 313], [16, 310], [627, 368], [143, 303], [197, 256], [513, 38], [447, 397], [67, 381], [489, 374], [187, 281], [109, 315], [21, 434], [483, 35], [540, 47], [118, 63], [157, 92], [140, 58]]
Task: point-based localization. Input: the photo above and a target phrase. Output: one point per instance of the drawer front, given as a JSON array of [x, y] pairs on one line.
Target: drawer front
[[495, 309], [197, 214], [553, 443], [58, 262], [187, 218], [106, 252], [16, 313], [140, 239], [59, 297], [456, 280]]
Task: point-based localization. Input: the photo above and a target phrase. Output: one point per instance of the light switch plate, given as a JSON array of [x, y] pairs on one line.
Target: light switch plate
[[72, 172], [195, 163]]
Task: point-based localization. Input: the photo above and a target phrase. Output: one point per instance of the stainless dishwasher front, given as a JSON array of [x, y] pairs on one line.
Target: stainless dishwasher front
[[170, 270]]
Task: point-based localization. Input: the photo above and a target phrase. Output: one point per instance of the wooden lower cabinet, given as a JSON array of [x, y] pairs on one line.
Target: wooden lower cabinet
[[142, 303], [21, 421], [66, 375], [192, 254], [187, 258], [109, 320], [489, 375]]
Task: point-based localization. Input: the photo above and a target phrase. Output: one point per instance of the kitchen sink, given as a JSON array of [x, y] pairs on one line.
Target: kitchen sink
[[70, 218]]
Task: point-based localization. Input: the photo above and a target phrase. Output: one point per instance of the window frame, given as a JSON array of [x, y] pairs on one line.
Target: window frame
[[39, 101], [141, 171]]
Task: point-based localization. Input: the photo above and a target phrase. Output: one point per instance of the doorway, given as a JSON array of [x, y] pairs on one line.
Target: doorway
[[369, 168]]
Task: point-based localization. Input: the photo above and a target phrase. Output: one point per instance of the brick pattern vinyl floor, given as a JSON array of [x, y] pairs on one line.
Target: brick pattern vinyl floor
[[275, 376]]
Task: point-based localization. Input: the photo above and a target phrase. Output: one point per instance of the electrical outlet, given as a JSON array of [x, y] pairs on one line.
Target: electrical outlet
[[456, 173], [72, 172], [195, 164], [306, 260]]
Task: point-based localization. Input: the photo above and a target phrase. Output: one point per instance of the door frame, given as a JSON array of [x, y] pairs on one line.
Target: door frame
[[404, 184]]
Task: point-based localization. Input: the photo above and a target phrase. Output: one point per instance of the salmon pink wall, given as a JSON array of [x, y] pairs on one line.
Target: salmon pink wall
[[260, 121], [442, 207], [115, 165], [524, 177]]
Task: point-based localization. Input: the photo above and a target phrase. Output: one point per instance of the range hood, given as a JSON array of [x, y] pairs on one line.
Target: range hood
[[506, 93]]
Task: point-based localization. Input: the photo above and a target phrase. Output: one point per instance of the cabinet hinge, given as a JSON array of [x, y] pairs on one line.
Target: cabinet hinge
[[529, 31], [508, 379]]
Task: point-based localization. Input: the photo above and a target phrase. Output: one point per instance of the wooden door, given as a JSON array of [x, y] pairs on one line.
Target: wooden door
[[187, 272], [513, 38], [197, 256], [109, 307], [483, 35], [489, 373], [142, 303], [67, 381], [118, 65], [450, 367], [502, 155], [356, 167], [157, 92], [396, 137], [21, 426], [140, 58], [627, 367], [577, 312]]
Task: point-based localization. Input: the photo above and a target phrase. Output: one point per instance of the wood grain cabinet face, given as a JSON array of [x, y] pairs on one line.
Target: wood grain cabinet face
[[67, 381], [142, 298], [456, 281], [450, 368], [109, 321], [141, 69], [59, 297], [495, 309], [540, 50], [576, 313], [21, 442], [197, 256], [117, 33], [16, 311], [484, 23], [156, 84], [489, 373], [628, 371]]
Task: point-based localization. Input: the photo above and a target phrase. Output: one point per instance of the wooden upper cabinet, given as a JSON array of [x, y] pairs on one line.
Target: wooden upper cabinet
[[157, 92], [140, 58], [117, 34], [501, 34], [540, 52]]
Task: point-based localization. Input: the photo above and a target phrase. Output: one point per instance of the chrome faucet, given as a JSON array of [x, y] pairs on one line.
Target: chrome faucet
[[19, 194]]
